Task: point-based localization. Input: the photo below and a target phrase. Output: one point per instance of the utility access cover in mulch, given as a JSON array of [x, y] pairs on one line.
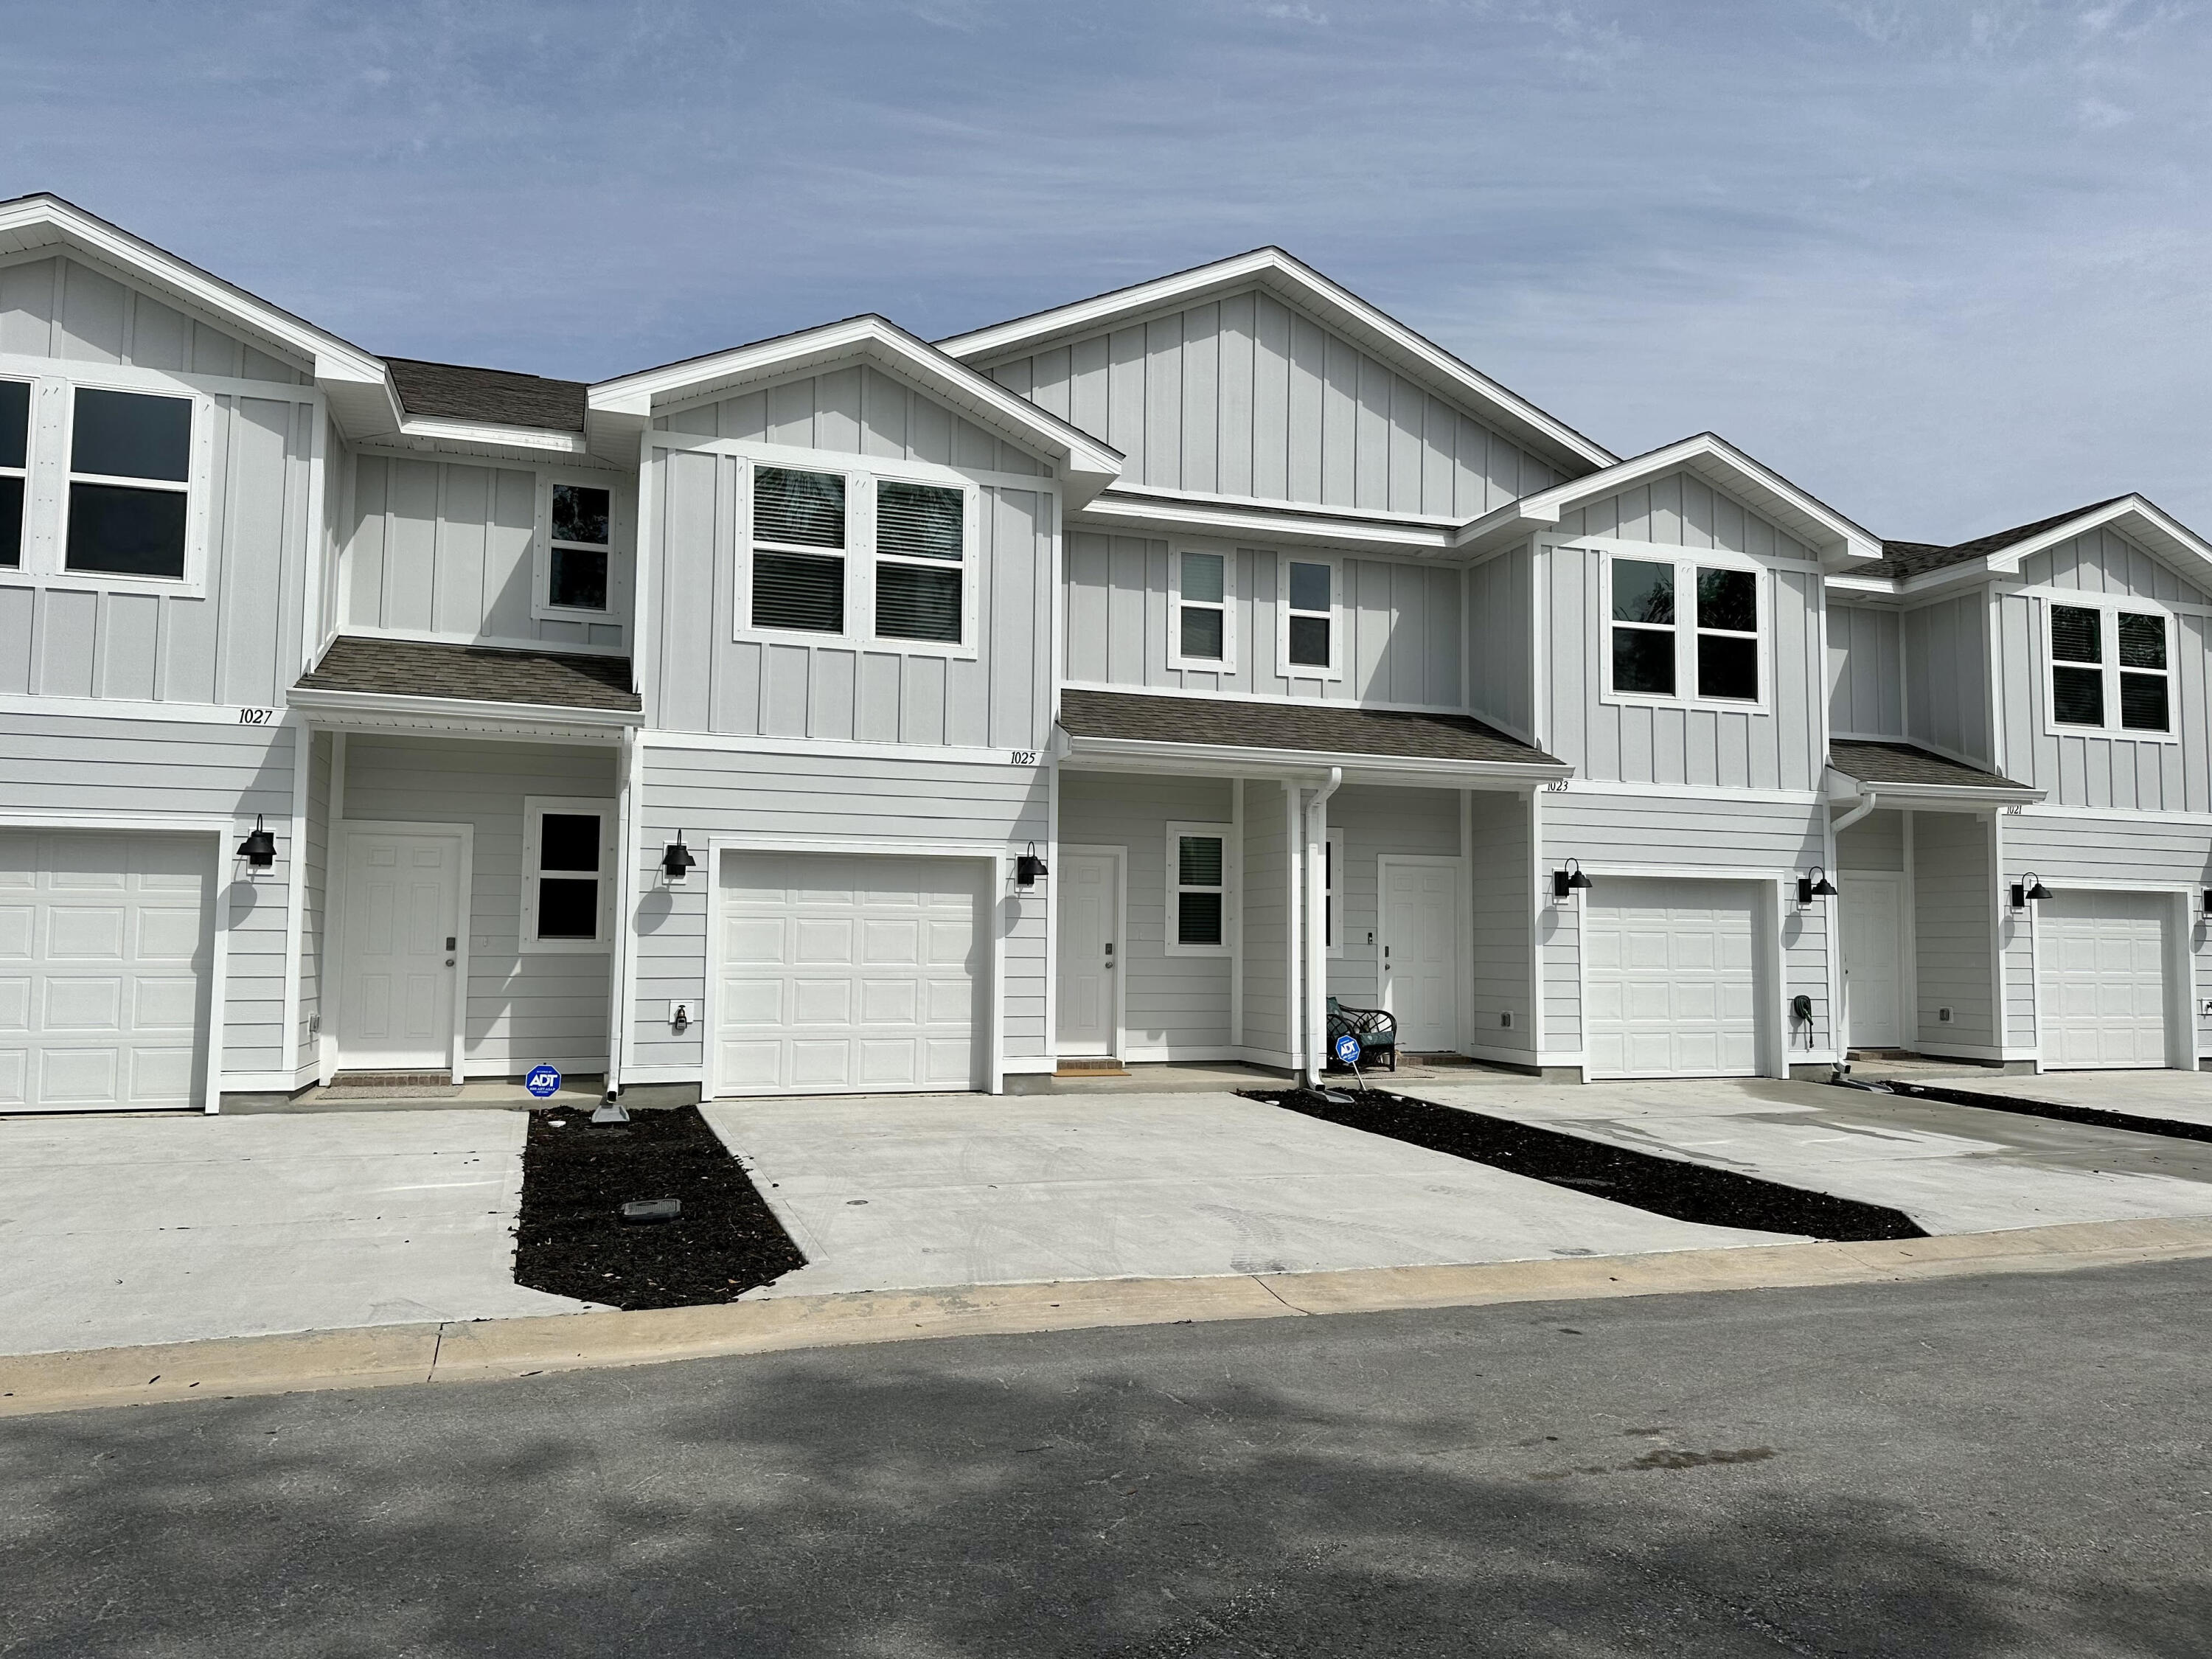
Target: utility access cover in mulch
[[1664, 1186], [576, 1176]]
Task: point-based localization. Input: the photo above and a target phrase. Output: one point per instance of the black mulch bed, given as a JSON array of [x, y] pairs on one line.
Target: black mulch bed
[[1664, 1186], [572, 1239], [2027, 1108]]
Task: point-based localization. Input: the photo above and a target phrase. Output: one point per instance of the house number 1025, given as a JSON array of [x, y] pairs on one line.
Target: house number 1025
[[1024, 757]]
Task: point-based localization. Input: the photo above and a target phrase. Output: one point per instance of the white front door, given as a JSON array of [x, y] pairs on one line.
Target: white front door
[[1418, 953], [1090, 907], [1874, 990], [2103, 956], [399, 975], [1673, 978]]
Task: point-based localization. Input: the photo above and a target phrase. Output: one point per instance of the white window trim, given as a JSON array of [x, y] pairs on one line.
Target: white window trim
[[1285, 668], [534, 809], [620, 540], [1335, 890], [1686, 563], [2110, 608], [47, 479], [1226, 663], [1231, 884], [861, 558], [30, 452]]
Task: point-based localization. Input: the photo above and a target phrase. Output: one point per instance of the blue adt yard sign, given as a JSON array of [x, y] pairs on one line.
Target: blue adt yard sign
[[1347, 1050], [543, 1082]]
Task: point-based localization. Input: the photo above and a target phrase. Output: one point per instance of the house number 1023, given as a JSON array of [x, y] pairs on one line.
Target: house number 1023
[[256, 716]]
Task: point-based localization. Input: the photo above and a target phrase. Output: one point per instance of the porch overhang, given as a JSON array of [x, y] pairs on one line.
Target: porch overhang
[[460, 690], [1904, 775]]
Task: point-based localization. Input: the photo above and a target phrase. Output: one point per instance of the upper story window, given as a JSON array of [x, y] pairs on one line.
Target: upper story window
[[14, 467], [1310, 641], [1706, 650], [1202, 629], [921, 543], [581, 545], [2108, 662], [130, 469]]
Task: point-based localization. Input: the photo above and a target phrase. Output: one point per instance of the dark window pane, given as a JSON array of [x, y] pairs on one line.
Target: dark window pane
[[15, 422], [579, 578], [126, 532], [2077, 697], [1310, 641], [1328, 918], [568, 909], [2142, 702], [11, 522], [1197, 919], [1727, 598], [1198, 860], [921, 521], [915, 602], [126, 435], [1728, 667], [580, 514], [806, 508], [2142, 641], [797, 590], [1201, 577], [2076, 636], [1309, 587], [1643, 593], [1644, 660], [1201, 632], [569, 841]]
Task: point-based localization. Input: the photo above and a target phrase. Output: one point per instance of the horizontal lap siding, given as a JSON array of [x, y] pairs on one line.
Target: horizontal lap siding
[[1267, 951], [1375, 822], [1503, 972], [1247, 396], [1875, 842], [870, 805], [523, 1008], [1866, 672], [1954, 919], [1946, 661]]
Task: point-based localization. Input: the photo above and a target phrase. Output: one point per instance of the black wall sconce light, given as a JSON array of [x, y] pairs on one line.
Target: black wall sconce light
[[677, 861], [1814, 883], [1568, 880], [2206, 911], [258, 849], [1029, 869], [2027, 888]]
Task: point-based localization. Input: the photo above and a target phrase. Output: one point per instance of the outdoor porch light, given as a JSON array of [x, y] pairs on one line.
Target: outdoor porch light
[[1029, 867], [2028, 887], [677, 861], [1814, 883], [258, 849], [1568, 880]]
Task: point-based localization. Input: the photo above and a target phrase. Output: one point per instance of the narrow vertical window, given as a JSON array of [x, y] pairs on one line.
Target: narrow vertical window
[[1202, 609], [1643, 627], [15, 468], [1728, 634], [565, 878], [1332, 888], [1310, 639], [2077, 656], [2143, 676], [798, 550], [922, 549], [581, 546], [1197, 889], [129, 472]]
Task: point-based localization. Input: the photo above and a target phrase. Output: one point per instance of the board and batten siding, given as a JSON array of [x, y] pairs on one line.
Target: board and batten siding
[[1401, 623], [1866, 671], [851, 803], [1377, 821], [61, 307], [449, 549], [1955, 930], [1947, 663], [1247, 396], [523, 1007], [1504, 972], [1501, 671], [859, 411]]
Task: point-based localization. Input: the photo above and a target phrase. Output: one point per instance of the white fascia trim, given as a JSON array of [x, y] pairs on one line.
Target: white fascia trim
[[1251, 522], [707, 743], [1224, 760], [1579, 786], [1087, 465], [1293, 279], [476, 437], [2176, 542], [1832, 535], [1939, 796], [382, 708]]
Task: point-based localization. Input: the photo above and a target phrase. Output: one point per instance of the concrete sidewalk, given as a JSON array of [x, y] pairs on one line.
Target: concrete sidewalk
[[1952, 1168], [126, 1230]]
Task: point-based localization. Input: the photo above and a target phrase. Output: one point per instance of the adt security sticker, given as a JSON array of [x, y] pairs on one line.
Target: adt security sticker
[[1347, 1050], [543, 1082]]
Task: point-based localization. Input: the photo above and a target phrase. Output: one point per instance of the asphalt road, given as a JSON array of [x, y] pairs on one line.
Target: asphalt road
[[1965, 1468]]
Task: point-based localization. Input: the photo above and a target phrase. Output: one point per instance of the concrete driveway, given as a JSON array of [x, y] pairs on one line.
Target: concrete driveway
[[1952, 1169], [120, 1231], [2179, 1096], [908, 1191]]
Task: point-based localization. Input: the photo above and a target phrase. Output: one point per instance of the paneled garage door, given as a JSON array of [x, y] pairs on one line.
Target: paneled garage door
[[1672, 978], [2103, 958], [106, 954], [850, 974]]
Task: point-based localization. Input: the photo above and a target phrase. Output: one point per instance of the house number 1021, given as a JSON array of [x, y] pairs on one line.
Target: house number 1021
[[256, 716]]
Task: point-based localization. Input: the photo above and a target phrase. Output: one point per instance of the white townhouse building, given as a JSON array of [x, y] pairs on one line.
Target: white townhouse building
[[846, 712]]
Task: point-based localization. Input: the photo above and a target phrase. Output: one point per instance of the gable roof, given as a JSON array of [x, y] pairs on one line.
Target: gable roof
[[497, 397], [2003, 551], [1290, 278], [1902, 561]]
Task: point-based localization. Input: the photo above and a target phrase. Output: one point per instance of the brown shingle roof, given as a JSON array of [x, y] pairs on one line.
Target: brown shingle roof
[[1902, 561], [1904, 763], [499, 396], [423, 668], [1313, 728]]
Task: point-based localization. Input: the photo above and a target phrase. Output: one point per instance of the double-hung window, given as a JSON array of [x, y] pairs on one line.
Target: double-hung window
[[1705, 650], [1202, 629], [567, 874], [921, 547], [798, 550], [857, 556], [1310, 641], [130, 472], [15, 468], [580, 548], [2108, 662], [1199, 879]]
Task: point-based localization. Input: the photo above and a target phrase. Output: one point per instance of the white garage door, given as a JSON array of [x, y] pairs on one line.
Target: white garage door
[[2103, 956], [106, 950], [849, 975], [1671, 978]]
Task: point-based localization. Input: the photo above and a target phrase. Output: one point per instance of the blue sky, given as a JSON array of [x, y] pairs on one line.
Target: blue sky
[[1946, 265]]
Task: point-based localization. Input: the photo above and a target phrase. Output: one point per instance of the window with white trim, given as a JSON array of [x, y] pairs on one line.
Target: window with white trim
[[798, 550], [1200, 866], [579, 546], [1708, 651], [2111, 669], [1202, 628], [1309, 638], [15, 468], [922, 546], [1332, 894], [567, 874], [130, 473]]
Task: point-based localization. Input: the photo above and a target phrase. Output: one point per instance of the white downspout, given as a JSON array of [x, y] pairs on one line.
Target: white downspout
[[626, 897], [1866, 804], [1316, 909]]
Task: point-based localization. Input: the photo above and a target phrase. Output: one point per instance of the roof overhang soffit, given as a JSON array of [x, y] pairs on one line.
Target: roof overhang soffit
[[619, 412], [1839, 544], [1233, 761]]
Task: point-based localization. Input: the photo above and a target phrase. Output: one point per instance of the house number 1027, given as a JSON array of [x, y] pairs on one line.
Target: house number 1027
[[256, 716]]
